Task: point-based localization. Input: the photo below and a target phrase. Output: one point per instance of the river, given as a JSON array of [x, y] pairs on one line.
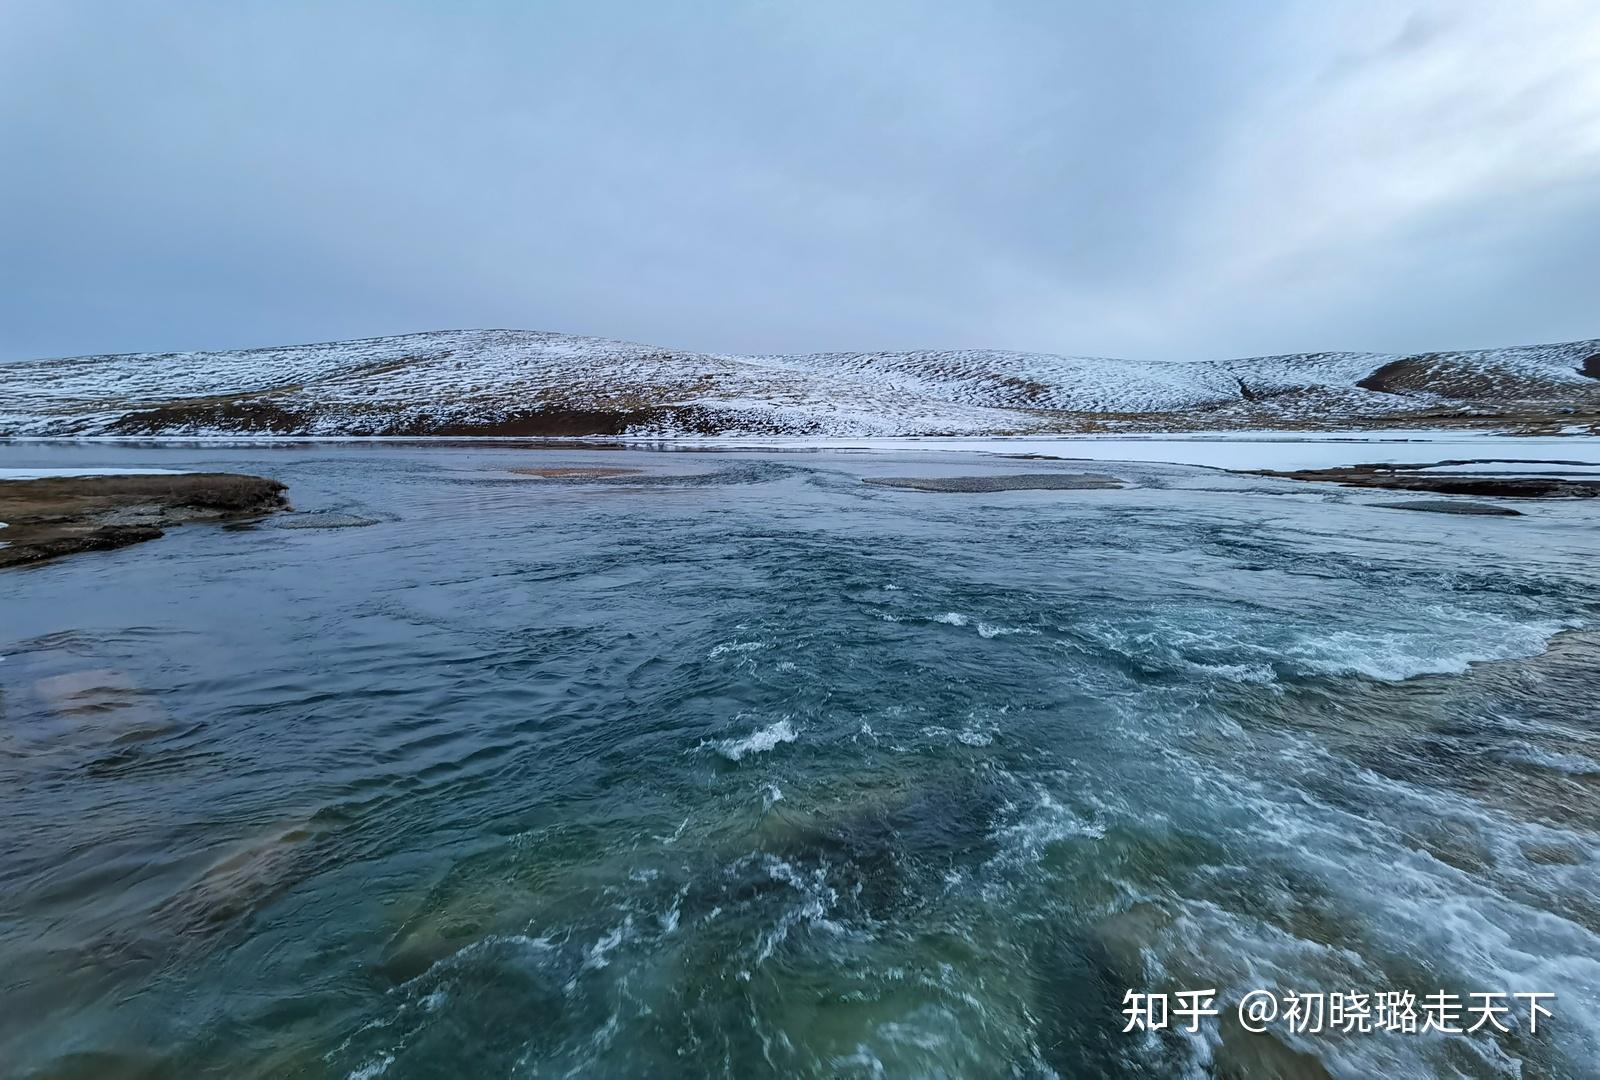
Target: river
[[738, 766]]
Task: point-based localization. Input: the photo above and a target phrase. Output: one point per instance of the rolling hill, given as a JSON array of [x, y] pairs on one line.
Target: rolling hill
[[526, 383]]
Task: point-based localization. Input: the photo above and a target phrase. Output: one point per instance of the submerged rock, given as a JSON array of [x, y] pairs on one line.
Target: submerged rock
[[244, 878], [323, 519], [595, 472], [1003, 482], [1449, 506]]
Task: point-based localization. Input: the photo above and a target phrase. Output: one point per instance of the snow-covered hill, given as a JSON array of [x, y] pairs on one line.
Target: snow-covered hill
[[508, 382]]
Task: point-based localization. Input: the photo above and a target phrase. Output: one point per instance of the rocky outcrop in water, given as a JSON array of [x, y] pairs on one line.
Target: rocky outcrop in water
[[1419, 478], [53, 516], [1445, 506]]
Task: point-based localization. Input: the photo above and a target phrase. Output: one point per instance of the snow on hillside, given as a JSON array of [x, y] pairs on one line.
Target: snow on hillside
[[528, 383]]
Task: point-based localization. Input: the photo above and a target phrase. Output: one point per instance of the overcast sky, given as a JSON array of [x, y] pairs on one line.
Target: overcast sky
[[1150, 180]]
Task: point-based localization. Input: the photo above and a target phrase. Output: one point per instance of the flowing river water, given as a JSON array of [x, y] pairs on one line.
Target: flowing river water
[[739, 766]]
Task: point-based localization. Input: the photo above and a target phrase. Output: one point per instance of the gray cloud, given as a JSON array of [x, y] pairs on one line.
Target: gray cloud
[[1135, 179]]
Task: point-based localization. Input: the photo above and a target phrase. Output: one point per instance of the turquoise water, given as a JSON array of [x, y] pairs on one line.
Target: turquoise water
[[742, 767]]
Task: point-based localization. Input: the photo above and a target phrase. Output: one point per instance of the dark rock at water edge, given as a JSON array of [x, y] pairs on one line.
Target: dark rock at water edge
[[53, 516], [1417, 478]]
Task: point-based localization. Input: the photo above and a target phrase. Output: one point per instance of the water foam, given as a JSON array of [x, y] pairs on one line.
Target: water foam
[[1044, 824], [1460, 640], [986, 630], [372, 1069], [734, 647], [1255, 647], [757, 742]]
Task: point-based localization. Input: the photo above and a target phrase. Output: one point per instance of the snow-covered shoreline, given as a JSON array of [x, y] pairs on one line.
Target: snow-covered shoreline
[[1231, 450], [55, 474], [1235, 450]]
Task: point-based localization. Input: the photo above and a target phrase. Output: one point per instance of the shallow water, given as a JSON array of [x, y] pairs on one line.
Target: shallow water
[[742, 767]]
